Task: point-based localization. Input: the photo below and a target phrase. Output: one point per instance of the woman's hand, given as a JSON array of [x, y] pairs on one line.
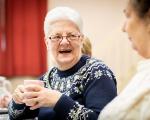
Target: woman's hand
[[37, 96], [17, 96]]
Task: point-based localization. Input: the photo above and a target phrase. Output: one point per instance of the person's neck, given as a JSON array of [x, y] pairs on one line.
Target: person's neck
[[64, 67]]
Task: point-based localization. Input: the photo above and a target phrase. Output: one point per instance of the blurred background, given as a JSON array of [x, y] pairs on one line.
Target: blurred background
[[23, 53]]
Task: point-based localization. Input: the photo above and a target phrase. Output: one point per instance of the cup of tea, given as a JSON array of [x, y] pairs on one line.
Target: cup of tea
[[33, 82]]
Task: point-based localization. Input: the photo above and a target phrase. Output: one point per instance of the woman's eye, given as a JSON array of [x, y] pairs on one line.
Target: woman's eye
[[57, 37]]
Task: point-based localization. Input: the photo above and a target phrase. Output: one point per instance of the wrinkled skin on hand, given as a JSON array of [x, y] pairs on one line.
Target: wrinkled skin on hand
[[36, 96], [17, 96]]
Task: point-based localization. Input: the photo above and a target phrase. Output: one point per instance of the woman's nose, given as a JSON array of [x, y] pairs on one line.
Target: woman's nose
[[64, 40]]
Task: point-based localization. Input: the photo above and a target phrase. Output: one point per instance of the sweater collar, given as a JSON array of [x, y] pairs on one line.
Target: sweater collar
[[75, 68]]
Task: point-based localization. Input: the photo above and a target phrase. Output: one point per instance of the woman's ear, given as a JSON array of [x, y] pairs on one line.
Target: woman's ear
[[46, 43]]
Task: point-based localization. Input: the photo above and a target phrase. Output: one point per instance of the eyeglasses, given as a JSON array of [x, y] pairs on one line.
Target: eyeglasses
[[69, 37]]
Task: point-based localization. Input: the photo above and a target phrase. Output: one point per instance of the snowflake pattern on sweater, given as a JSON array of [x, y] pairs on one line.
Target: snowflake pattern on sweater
[[78, 85]]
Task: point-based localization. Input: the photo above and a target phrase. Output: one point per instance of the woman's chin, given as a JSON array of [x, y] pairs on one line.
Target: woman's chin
[[65, 60]]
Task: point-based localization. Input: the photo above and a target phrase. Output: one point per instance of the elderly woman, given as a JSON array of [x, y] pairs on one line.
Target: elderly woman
[[134, 101], [76, 88]]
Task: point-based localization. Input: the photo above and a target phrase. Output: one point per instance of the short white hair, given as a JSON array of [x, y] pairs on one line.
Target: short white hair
[[62, 13]]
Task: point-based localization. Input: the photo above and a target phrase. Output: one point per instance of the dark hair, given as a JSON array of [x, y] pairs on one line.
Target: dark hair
[[141, 7]]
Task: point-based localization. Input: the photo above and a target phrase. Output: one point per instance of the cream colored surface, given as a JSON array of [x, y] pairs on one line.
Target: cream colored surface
[[103, 20]]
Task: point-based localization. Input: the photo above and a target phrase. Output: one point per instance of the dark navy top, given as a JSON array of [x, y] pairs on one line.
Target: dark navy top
[[87, 87]]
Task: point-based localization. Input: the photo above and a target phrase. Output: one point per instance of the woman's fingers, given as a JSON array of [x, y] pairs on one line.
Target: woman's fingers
[[31, 102], [35, 106], [18, 94], [29, 95], [46, 98], [22, 92], [36, 96], [21, 88], [32, 87]]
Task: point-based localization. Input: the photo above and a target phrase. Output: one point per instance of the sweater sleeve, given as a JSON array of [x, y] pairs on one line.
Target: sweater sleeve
[[100, 89], [20, 111]]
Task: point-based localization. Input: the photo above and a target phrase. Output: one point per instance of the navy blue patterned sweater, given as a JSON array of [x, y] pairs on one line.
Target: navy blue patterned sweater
[[87, 87]]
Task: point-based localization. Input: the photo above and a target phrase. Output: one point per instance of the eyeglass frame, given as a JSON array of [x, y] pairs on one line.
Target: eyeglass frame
[[78, 35]]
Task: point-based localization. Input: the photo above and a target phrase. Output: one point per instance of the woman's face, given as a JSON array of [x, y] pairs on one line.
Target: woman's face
[[138, 31], [66, 52]]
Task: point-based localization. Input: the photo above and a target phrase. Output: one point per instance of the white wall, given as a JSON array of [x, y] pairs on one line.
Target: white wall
[[103, 20]]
